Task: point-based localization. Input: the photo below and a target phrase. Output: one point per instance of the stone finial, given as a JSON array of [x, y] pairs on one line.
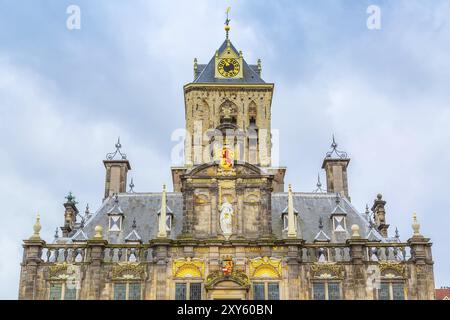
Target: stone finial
[[355, 231], [259, 67], [292, 230], [98, 232], [415, 226], [195, 68], [162, 231], [36, 229]]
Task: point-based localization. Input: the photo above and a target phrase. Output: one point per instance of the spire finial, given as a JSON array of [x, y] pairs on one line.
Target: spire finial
[[131, 185], [111, 155], [338, 198], [320, 223], [338, 153], [319, 185], [416, 226], [227, 22], [397, 235], [56, 234], [36, 229], [134, 224]]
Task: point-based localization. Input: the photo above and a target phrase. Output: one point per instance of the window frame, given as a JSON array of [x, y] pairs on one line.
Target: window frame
[[326, 284], [62, 295], [390, 284], [127, 289], [187, 289], [120, 223], [343, 224], [265, 284]]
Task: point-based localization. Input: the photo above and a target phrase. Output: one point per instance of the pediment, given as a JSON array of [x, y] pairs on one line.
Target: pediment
[[213, 169]]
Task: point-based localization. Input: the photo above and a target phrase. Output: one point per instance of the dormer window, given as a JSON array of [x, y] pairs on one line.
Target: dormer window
[[338, 215], [339, 224], [115, 223], [115, 216]]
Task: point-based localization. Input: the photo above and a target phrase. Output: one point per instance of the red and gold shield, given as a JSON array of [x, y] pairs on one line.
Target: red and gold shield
[[226, 159]]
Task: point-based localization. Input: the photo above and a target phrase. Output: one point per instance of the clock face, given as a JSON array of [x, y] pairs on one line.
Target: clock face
[[228, 67]]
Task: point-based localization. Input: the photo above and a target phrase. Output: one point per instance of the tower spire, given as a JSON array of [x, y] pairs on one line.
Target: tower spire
[[227, 23]]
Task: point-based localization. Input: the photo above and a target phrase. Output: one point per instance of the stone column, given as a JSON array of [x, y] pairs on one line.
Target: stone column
[[96, 279], [29, 269], [188, 209], [293, 259], [213, 191], [240, 204], [161, 259], [266, 208], [423, 263], [357, 245]]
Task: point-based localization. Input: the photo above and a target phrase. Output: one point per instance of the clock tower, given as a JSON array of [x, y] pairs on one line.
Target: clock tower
[[228, 115]]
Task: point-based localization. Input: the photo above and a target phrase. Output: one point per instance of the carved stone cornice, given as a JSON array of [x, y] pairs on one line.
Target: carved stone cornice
[[128, 271]]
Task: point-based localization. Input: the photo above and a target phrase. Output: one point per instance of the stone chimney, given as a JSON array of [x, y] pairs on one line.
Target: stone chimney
[[116, 172], [380, 215], [335, 165]]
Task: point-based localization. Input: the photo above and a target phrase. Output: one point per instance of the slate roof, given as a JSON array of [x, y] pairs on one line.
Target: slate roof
[[206, 73], [144, 208]]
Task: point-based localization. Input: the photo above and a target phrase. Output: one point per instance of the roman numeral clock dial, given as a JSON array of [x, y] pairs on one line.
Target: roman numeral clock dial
[[228, 67]]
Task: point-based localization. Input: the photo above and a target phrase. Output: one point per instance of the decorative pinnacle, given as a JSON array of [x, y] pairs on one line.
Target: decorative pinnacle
[[416, 226], [98, 232], [131, 185], [338, 198], [56, 234], [134, 223], [320, 223], [111, 155], [334, 150], [355, 231], [319, 185], [71, 198], [397, 235], [36, 229], [227, 23]]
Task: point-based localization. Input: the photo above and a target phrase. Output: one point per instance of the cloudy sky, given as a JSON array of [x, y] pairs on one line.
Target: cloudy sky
[[66, 95]]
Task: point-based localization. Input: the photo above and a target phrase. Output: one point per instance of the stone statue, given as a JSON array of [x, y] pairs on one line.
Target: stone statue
[[226, 214]]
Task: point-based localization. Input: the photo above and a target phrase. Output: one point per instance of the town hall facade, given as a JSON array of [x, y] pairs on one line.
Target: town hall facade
[[230, 228]]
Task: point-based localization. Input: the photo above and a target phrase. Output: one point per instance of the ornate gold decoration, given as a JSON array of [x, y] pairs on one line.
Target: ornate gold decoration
[[188, 268], [265, 267], [326, 270], [200, 199], [128, 270], [217, 276], [57, 269], [398, 268]]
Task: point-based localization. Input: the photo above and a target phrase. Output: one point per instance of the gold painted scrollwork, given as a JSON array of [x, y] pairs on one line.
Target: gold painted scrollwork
[[265, 267], [397, 269], [128, 270], [328, 270], [188, 268]]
